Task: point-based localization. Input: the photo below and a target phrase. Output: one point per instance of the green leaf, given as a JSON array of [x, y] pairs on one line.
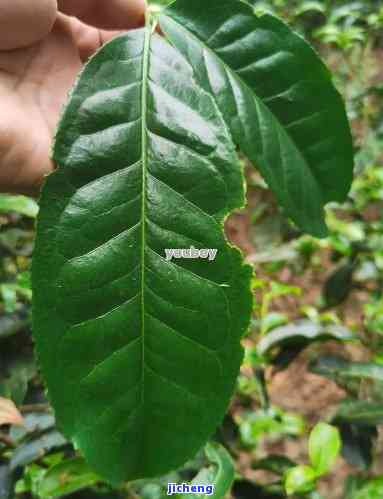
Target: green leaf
[[66, 478], [8, 296], [20, 204], [277, 97], [358, 444], [339, 285], [221, 475], [273, 421], [274, 463], [302, 332], [310, 6], [360, 412], [224, 475], [140, 354], [300, 479], [351, 486], [340, 369], [324, 447], [273, 320], [371, 489], [30, 481]]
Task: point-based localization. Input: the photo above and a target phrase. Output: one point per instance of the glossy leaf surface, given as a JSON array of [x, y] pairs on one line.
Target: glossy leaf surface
[[336, 367], [277, 98], [302, 332], [360, 412], [140, 354]]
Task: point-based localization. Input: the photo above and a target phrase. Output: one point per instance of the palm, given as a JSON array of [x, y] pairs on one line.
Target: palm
[[34, 83]]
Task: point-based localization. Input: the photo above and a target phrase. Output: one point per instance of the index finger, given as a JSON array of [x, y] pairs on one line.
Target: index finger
[[106, 14]]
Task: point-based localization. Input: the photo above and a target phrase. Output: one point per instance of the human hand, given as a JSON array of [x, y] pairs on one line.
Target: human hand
[[42, 50]]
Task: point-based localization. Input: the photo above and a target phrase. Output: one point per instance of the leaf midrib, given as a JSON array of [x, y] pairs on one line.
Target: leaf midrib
[[144, 158]]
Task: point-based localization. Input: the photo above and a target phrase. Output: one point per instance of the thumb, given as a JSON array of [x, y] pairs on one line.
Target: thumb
[[25, 22], [106, 14]]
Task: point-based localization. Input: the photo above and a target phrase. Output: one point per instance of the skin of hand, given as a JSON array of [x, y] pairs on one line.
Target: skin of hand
[[43, 45]]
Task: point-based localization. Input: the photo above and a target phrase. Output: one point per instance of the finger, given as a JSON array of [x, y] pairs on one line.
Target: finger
[[25, 22], [88, 39], [106, 14]]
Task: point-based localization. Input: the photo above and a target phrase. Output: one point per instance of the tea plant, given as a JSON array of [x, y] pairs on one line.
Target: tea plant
[[140, 354]]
